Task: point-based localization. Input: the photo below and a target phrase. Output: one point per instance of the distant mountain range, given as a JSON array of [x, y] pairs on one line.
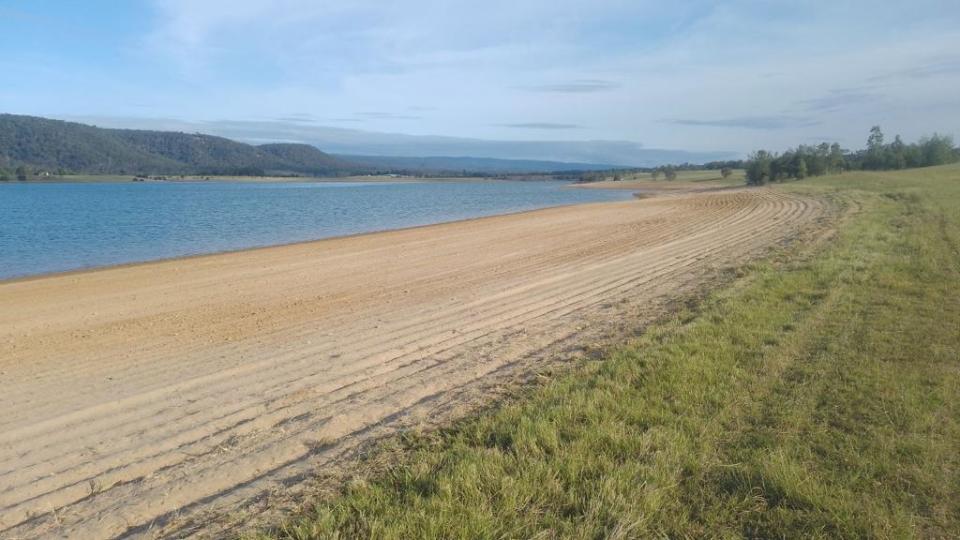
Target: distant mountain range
[[343, 141], [55, 145], [62, 146]]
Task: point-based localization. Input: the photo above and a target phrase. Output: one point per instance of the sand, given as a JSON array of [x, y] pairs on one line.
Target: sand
[[654, 187], [138, 398]]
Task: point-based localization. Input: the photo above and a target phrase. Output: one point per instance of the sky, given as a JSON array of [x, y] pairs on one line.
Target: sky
[[692, 75]]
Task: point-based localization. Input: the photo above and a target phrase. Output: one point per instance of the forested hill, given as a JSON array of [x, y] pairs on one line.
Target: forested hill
[[58, 146]]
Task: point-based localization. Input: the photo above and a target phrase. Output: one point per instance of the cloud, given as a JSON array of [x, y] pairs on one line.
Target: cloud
[[580, 86], [836, 100], [748, 122], [363, 36], [380, 115], [297, 118], [492, 70], [945, 66], [541, 125], [340, 140]]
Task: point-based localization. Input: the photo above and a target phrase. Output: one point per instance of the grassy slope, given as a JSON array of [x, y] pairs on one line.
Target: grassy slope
[[820, 396], [699, 175]]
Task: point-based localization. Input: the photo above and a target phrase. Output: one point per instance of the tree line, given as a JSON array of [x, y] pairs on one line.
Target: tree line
[[20, 173], [933, 150], [668, 172], [763, 167]]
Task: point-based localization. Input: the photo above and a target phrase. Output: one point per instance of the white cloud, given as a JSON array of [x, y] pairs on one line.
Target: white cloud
[[618, 68]]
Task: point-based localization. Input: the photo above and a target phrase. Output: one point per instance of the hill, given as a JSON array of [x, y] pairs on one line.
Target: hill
[[342, 141], [56, 145]]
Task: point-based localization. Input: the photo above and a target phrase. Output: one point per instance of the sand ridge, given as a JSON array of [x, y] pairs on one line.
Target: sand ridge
[[137, 395]]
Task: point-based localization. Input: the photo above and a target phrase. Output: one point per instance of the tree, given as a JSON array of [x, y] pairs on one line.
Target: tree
[[937, 150], [835, 161], [806, 160], [875, 150], [758, 168], [817, 158], [726, 172], [778, 167], [875, 140], [655, 174], [21, 173], [801, 168], [670, 173], [898, 154]]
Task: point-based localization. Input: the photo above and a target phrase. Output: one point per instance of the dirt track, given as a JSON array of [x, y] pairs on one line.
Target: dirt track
[[135, 395]]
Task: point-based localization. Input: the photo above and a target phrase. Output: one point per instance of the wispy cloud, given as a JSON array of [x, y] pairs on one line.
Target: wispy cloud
[[946, 66], [381, 115], [340, 140], [541, 125], [839, 99], [579, 86], [616, 67], [748, 122], [298, 118]]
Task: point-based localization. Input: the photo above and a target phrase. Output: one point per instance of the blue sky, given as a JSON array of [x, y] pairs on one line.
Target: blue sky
[[697, 75]]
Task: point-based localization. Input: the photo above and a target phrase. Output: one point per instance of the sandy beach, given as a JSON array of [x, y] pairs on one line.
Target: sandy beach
[[138, 399]]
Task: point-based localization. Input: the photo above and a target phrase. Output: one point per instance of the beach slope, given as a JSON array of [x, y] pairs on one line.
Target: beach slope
[[138, 396]]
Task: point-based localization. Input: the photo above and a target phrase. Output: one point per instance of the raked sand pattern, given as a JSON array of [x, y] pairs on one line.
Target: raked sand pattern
[[135, 397]]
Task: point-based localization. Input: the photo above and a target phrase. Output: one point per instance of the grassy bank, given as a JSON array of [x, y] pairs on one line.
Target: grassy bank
[[820, 396]]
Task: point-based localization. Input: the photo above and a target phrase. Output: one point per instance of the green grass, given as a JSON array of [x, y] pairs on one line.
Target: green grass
[[708, 176], [817, 397]]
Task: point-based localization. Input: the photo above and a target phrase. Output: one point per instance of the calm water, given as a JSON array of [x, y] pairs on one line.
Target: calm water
[[55, 227]]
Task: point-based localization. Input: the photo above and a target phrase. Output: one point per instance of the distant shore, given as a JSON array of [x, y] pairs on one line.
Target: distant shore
[[124, 178]]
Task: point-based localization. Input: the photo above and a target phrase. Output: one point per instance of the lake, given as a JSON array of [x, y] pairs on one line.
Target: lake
[[56, 227]]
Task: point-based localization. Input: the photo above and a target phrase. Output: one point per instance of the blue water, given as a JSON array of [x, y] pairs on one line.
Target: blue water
[[56, 227]]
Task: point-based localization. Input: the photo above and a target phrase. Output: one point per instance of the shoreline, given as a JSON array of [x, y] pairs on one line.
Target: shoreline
[[664, 186], [202, 179], [199, 384], [195, 256]]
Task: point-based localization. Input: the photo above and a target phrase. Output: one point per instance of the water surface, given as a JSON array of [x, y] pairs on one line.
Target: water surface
[[57, 227]]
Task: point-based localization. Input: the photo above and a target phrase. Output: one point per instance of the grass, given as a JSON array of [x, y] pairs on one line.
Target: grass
[[817, 397], [710, 176]]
